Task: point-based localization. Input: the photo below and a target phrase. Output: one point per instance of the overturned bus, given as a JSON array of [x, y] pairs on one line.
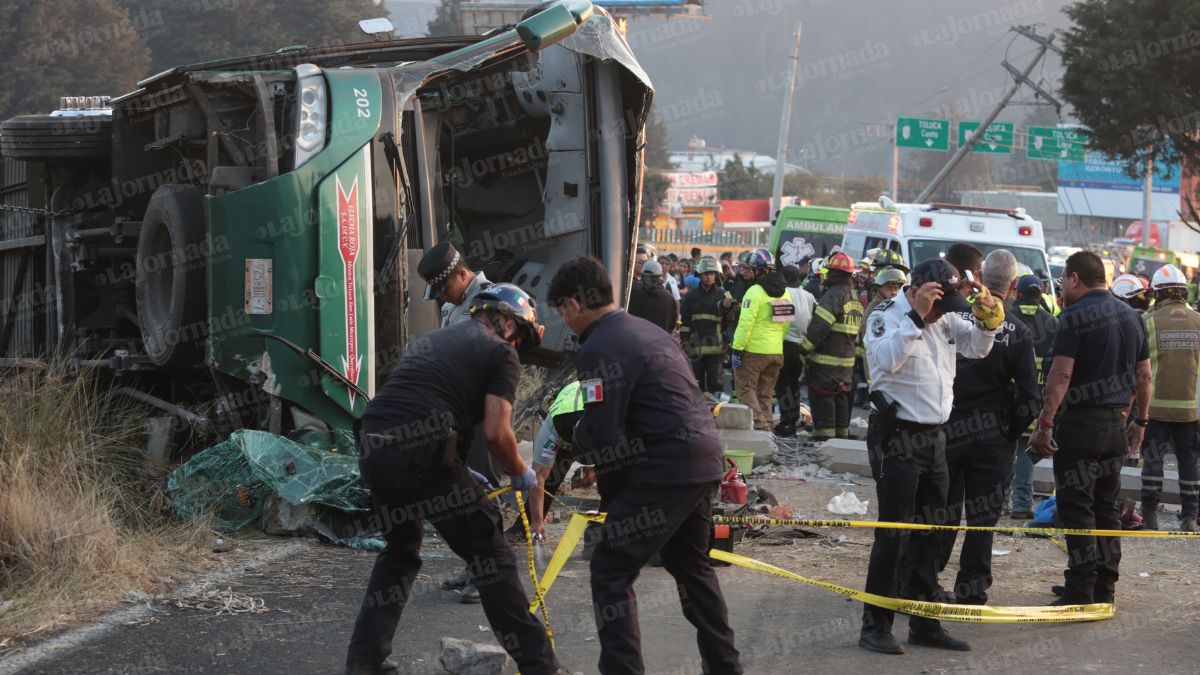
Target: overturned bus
[[236, 241]]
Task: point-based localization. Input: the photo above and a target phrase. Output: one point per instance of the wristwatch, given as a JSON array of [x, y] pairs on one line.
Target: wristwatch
[[1141, 422]]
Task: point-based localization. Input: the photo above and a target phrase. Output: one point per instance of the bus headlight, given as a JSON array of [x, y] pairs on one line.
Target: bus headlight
[[312, 115]]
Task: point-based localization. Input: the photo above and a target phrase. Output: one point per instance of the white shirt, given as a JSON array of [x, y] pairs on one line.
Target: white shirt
[[452, 313], [804, 302], [673, 286], [915, 366]]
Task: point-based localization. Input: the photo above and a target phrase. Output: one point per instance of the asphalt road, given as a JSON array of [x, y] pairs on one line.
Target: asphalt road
[[781, 627]]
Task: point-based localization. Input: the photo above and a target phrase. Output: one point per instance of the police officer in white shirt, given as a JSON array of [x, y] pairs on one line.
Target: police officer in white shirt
[[911, 343]]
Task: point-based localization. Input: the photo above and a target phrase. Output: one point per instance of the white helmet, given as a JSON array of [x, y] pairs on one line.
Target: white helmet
[[1128, 286], [1168, 276]]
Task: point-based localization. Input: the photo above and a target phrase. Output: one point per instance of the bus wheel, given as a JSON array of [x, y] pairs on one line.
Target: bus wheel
[[171, 287]]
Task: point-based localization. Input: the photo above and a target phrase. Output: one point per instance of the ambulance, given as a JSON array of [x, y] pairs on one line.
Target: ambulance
[[923, 232]]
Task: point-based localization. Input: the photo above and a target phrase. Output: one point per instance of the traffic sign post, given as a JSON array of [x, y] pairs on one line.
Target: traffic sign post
[[922, 134], [1055, 143], [997, 140]]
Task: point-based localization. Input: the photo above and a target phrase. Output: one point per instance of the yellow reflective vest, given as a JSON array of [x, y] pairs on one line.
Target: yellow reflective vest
[[1173, 330], [763, 321]]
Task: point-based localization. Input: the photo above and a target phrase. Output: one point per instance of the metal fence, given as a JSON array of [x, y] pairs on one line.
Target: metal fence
[[732, 239]]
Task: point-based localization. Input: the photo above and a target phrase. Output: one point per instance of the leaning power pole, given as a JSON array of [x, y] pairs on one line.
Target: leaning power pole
[[785, 122], [1020, 78]]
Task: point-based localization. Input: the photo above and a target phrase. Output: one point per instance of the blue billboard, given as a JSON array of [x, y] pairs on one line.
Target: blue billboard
[[1100, 172], [1099, 186]]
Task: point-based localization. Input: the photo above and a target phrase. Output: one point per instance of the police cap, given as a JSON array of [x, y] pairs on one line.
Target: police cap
[[436, 266], [938, 271]]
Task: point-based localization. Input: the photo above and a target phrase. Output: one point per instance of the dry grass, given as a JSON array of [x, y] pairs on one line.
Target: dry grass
[[82, 515]]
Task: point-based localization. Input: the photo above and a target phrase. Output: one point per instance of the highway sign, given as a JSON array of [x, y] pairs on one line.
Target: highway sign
[[922, 134], [1055, 143], [997, 140]]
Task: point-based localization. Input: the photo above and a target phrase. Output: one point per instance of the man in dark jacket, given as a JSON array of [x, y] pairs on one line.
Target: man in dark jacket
[[652, 439], [995, 398], [702, 317], [652, 301], [1029, 308]]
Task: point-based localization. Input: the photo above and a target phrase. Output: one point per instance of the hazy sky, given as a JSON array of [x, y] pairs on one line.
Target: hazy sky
[[860, 61]]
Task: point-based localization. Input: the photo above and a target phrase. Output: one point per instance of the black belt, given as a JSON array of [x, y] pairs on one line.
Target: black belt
[[916, 426]]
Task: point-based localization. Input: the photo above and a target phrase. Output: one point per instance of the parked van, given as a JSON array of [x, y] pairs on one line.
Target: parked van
[[922, 232], [807, 231]]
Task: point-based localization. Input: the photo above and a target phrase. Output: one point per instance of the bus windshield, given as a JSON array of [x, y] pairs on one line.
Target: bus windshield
[[921, 250]]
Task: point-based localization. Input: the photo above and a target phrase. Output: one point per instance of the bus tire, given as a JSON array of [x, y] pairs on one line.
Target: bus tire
[[171, 282]]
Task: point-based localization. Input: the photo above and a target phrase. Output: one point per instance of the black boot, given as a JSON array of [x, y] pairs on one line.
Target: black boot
[[879, 641], [938, 639], [387, 667]]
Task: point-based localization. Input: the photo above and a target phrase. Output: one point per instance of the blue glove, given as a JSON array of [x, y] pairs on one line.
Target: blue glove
[[736, 360], [526, 481], [480, 478]]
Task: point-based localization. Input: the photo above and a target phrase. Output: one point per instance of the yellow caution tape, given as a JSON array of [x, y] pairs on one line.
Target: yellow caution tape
[[497, 492], [538, 593], [930, 610], [937, 610], [951, 528]]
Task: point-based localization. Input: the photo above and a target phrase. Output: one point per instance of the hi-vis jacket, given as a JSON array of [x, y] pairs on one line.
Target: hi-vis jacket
[[829, 343], [763, 322], [913, 362], [1173, 330]]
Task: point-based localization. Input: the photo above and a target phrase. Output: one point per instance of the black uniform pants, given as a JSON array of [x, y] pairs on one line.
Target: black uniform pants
[[1087, 479], [787, 387], [1163, 438], [829, 402], [676, 522], [707, 369], [976, 490], [457, 507], [908, 462]]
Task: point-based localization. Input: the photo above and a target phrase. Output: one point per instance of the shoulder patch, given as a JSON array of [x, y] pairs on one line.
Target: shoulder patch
[[592, 390], [877, 325], [746, 303]]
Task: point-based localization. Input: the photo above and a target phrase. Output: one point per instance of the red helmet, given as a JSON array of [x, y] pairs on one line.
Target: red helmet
[[841, 262]]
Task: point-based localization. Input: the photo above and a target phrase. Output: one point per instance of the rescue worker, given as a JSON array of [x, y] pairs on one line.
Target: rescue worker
[[815, 282], [1133, 290], [450, 281], [995, 399], [787, 386], [1048, 302], [767, 313], [553, 456], [1028, 308], [828, 347], [1101, 357], [912, 341], [737, 286], [702, 317], [1173, 330], [888, 282], [652, 301], [412, 442], [651, 436]]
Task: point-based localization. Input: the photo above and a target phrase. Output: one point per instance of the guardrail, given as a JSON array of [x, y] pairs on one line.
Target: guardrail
[[664, 238]]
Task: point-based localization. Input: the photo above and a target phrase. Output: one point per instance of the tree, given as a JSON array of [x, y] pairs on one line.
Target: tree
[[446, 21], [182, 33], [657, 158], [737, 181], [1133, 77], [58, 48]]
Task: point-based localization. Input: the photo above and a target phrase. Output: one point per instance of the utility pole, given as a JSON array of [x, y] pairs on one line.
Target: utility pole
[[1019, 78], [1147, 193], [895, 192], [785, 122]]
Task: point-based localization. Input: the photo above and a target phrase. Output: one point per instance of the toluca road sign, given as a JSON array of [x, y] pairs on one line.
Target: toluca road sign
[[1055, 143], [998, 139], [923, 134]]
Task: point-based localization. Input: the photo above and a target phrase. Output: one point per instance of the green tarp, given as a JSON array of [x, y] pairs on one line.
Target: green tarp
[[230, 481]]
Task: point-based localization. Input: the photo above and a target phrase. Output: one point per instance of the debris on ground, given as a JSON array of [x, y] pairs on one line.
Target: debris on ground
[[847, 503], [781, 513], [231, 481], [463, 657], [205, 599]]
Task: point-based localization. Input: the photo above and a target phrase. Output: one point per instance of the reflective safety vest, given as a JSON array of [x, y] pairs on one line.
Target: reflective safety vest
[[833, 331], [1173, 330], [763, 322]]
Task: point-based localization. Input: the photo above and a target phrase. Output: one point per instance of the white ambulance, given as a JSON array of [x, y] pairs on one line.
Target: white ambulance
[[921, 232]]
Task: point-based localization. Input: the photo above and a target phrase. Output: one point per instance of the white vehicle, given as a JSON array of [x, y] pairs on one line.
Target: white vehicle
[[921, 232]]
